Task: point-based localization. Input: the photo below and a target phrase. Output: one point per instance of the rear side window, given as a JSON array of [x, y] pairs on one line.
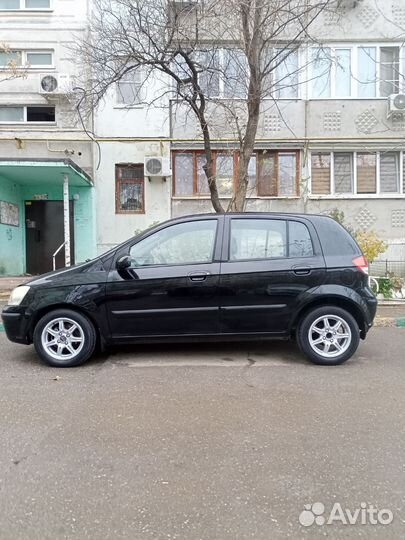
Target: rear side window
[[258, 239], [335, 240], [299, 240], [268, 239]]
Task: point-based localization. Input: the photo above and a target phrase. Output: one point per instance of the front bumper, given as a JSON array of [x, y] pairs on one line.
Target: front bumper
[[16, 324]]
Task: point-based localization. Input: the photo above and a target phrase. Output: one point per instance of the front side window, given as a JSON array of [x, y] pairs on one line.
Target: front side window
[[184, 243], [130, 184], [257, 239]]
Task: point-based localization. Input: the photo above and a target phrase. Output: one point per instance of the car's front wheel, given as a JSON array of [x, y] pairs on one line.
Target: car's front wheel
[[328, 335], [64, 338]]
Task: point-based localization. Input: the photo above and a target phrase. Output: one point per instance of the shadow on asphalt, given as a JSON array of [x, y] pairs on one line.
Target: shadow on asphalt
[[264, 351], [286, 351]]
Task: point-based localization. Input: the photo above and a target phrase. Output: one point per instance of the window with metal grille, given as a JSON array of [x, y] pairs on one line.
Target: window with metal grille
[[129, 189]]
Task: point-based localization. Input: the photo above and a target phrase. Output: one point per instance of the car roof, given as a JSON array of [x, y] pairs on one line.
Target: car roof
[[253, 214]]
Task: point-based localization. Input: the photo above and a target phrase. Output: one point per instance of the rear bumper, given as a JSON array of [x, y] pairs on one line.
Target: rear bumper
[[369, 313], [16, 324]]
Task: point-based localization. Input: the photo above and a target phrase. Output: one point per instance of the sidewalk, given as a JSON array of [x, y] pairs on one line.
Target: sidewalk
[[389, 314], [7, 284]]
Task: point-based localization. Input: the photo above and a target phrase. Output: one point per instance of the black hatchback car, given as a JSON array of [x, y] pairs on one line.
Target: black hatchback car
[[205, 277]]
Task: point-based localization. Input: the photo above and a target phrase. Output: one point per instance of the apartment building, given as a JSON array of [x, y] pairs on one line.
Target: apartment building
[[331, 136], [46, 161]]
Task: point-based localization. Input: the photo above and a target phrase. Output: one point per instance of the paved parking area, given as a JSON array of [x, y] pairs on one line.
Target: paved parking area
[[207, 442]]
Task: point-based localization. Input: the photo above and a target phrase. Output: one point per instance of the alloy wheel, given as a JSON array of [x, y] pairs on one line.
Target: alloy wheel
[[329, 336], [62, 338]]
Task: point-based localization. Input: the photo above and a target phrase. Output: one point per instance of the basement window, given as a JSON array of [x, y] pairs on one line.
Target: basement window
[[27, 114], [24, 4]]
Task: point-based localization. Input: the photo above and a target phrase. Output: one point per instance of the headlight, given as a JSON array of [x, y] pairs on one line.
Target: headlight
[[18, 295]]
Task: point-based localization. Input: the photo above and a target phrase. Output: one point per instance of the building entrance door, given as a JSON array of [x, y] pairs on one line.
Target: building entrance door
[[44, 234]]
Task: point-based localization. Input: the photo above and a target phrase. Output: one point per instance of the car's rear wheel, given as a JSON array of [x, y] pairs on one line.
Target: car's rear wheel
[[328, 335], [64, 338]]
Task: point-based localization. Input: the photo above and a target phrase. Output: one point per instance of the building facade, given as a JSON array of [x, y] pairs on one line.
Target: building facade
[[331, 137], [44, 155]]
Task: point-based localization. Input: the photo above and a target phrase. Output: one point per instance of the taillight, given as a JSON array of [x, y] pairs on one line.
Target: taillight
[[362, 264]]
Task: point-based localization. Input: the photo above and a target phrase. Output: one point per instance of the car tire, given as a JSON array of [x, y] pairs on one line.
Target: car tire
[[328, 335], [64, 338]]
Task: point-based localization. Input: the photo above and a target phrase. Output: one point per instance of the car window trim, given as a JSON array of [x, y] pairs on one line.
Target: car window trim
[[316, 246], [215, 258]]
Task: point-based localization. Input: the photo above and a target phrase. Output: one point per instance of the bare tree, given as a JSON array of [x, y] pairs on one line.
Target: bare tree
[[201, 45]]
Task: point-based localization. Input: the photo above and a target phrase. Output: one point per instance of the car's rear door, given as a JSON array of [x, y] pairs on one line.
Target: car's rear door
[[269, 265], [172, 286]]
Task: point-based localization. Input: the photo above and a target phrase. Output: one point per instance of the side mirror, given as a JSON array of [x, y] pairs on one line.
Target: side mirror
[[123, 263]]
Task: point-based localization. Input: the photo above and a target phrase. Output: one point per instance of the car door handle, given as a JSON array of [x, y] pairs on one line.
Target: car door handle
[[302, 270], [198, 276]]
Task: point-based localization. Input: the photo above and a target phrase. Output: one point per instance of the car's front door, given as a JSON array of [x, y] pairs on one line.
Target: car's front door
[[269, 265], [172, 285]]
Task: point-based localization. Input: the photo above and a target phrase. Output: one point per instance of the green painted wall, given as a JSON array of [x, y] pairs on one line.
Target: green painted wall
[[85, 244], [11, 238]]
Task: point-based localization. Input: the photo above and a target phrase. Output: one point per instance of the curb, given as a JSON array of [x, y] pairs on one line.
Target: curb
[[389, 322]]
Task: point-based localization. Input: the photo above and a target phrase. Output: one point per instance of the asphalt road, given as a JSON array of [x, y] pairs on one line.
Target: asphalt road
[[201, 442]]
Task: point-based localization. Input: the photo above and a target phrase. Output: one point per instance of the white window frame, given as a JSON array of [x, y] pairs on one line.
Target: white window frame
[[25, 121], [355, 83], [140, 105], [355, 195], [24, 59], [221, 62], [23, 8], [299, 53]]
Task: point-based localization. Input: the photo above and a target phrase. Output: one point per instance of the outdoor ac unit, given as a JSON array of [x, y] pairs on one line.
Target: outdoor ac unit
[[396, 105], [157, 166], [55, 84], [348, 4]]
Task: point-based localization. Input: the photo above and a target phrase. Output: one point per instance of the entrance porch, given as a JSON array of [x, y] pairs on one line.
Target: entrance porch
[[44, 205]]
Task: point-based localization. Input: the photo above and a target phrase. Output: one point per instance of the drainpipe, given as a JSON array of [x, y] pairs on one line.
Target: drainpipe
[[66, 218]]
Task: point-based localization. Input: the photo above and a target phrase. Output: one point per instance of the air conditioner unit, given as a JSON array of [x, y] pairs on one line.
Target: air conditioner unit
[[55, 84], [157, 166], [348, 4], [396, 105]]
